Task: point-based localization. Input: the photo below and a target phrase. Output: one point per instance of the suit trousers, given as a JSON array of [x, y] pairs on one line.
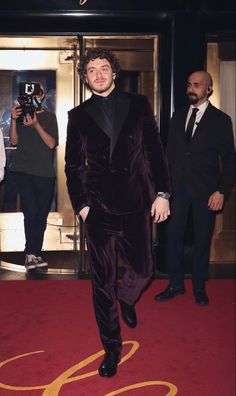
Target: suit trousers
[[106, 235], [203, 225]]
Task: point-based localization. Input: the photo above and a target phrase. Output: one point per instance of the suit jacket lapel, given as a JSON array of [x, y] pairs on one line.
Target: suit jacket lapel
[[183, 119], [97, 115], [120, 115]]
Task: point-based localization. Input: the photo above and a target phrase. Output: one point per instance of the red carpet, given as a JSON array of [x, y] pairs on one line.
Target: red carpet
[[49, 343]]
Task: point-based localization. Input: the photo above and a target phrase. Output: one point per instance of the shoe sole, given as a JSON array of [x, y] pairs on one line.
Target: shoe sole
[[43, 269]]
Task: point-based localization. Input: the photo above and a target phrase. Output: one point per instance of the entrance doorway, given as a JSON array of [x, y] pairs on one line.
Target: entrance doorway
[[52, 61]]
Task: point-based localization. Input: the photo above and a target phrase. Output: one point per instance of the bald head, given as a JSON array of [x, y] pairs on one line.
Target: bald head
[[199, 87], [203, 75]]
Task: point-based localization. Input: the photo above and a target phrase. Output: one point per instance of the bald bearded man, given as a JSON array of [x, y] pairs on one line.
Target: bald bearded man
[[201, 155]]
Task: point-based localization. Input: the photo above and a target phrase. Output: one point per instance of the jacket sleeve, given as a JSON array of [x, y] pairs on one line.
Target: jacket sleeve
[[75, 164], [155, 151], [227, 155]]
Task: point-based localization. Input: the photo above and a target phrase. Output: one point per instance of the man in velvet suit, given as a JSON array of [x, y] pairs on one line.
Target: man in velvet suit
[[117, 178], [201, 154]]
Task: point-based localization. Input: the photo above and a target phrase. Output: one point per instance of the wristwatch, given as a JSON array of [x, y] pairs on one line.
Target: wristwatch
[[164, 195]]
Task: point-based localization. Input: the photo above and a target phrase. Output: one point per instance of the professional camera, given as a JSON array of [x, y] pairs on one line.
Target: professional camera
[[26, 93]]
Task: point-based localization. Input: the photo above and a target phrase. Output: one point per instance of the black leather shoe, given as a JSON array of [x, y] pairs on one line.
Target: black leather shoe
[[108, 367], [201, 297], [169, 293], [128, 314]]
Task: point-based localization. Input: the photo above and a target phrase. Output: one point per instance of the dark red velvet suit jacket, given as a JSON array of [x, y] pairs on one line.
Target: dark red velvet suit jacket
[[125, 177]]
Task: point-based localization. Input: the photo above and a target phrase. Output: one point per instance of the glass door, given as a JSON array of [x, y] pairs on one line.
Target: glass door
[[51, 61]]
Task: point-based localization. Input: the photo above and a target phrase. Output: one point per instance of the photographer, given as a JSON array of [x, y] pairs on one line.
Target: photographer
[[34, 131]]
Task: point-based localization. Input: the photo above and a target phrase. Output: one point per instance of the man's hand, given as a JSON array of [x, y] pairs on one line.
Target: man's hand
[[84, 212], [16, 111], [160, 209], [29, 121], [216, 201]]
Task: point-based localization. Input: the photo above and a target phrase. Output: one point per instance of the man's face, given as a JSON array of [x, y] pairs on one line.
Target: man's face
[[197, 89], [100, 76]]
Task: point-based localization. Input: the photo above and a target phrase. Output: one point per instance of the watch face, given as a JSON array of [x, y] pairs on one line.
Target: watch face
[[167, 196], [164, 195]]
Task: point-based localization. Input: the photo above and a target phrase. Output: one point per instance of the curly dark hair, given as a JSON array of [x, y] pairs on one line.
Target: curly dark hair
[[94, 53]]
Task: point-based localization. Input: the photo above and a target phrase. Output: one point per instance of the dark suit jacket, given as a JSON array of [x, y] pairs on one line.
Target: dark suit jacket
[[208, 163], [123, 178]]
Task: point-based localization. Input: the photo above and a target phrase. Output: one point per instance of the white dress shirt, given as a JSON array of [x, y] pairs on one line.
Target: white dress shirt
[[201, 110], [2, 157]]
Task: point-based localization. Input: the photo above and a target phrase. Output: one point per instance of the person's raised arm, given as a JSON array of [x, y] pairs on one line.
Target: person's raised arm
[[48, 139], [15, 113]]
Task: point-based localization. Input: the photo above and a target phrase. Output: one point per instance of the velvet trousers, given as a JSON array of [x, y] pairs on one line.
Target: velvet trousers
[[106, 235]]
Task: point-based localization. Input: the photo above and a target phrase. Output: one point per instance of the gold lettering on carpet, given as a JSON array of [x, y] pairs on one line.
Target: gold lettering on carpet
[[172, 388], [54, 387]]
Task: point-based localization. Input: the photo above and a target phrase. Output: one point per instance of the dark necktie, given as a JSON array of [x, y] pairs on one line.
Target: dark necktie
[[189, 130]]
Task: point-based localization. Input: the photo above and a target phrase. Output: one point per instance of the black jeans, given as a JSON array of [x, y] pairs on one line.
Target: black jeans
[[35, 198]]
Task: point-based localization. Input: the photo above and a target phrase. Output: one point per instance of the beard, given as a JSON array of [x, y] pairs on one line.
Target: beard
[[192, 98], [102, 89]]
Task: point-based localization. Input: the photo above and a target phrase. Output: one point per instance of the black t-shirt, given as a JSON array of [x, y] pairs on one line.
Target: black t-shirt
[[33, 156]]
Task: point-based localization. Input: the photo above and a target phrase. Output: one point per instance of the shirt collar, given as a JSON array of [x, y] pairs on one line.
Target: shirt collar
[[202, 107], [101, 99]]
